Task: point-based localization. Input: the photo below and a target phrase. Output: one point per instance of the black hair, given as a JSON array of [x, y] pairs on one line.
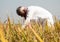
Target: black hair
[[18, 11]]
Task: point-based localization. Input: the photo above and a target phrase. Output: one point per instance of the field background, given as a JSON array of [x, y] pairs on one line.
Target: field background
[[11, 32]]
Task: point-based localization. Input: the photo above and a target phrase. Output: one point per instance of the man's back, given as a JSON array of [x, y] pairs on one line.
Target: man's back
[[36, 11]]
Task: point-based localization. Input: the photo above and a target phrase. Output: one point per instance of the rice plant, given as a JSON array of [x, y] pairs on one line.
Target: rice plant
[[11, 32]]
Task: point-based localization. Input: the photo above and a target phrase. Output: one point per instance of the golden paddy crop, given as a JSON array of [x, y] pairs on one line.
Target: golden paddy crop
[[10, 32]]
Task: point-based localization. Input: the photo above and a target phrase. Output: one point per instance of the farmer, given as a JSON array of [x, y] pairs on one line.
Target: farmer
[[34, 13]]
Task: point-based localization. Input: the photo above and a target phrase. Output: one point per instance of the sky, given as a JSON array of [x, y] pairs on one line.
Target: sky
[[8, 7]]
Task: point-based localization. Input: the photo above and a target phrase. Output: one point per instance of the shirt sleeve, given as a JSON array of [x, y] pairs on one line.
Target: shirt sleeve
[[29, 17], [27, 21]]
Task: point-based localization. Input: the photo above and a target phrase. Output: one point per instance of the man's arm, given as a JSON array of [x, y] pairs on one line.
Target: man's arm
[[27, 21], [29, 17]]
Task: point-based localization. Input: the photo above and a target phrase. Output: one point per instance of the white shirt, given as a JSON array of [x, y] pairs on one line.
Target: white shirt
[[35, 12]]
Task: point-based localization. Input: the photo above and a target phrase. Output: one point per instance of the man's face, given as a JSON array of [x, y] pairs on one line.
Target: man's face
[[23, 10]]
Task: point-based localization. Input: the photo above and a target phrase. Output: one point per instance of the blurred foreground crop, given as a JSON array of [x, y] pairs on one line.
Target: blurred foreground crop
[[10, 32]]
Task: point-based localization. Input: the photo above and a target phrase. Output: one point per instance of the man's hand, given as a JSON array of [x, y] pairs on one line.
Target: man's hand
[[26, 25]]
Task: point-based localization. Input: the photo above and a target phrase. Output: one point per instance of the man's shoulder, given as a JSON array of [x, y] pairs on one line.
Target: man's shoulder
[[34, 7]]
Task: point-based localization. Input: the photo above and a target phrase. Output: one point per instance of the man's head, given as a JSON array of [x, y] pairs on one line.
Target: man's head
[[22, 11]]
